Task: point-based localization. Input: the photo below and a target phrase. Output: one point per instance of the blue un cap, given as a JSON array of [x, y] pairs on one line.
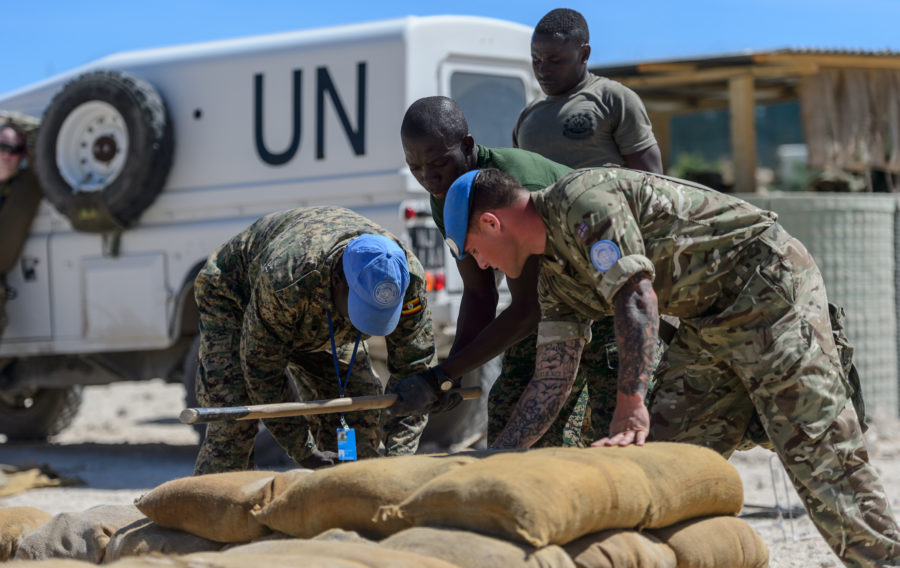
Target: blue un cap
[[456, 213], [377, 274]]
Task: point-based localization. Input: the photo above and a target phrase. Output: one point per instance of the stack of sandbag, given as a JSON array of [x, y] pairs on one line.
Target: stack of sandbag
[[661, 505]]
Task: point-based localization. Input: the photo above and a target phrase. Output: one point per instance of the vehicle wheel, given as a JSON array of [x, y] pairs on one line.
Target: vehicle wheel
[[466, 425], [33, 414], [104, 150]]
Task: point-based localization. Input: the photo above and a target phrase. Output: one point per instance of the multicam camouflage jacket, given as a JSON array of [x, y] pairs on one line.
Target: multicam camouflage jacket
[[605, 225]]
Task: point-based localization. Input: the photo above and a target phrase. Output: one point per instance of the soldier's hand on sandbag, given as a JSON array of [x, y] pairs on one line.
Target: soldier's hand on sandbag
[[424, 392]]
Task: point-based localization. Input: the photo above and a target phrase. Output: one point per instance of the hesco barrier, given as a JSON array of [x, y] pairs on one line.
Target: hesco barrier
[[853, 238]]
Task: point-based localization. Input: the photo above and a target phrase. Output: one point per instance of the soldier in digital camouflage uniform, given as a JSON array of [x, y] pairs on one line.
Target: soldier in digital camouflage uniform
[[755, 342], [285, 292], [438, 149]]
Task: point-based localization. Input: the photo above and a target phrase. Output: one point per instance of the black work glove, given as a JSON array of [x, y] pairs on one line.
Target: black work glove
[[423, 393], [319, 459]]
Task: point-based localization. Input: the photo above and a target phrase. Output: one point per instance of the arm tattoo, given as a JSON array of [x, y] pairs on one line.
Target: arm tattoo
[[637, 332], [545, 395]]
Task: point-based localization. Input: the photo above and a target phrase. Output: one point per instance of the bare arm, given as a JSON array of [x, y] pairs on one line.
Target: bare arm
[[648, 160], [481, 337], [555, 369], [637, 329]]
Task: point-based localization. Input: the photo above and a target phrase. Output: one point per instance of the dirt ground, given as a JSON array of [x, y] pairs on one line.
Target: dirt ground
[[127, 439]]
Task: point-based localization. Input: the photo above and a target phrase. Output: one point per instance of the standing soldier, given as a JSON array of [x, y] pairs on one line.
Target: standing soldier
[[20, 197], [584, 120], [304, 288], [755, 336]]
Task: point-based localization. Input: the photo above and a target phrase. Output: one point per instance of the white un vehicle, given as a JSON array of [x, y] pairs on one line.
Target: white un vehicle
[[151, 159]]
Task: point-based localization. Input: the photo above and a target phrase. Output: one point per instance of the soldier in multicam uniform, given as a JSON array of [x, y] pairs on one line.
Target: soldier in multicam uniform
[[302, 290], [755, 340]]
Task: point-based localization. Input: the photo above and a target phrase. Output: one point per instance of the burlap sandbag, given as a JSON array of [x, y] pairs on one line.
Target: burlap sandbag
[[216, 506], [361, 554], [53, 563], [79, 536], [146, 537], [348, 496], [686, 482], [621, 547], [15, 523], [533, 497], [474, 550], [714, 542]]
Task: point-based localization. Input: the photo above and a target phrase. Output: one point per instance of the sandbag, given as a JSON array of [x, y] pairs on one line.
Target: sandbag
[[533, 496], [348, 495], [510, 495], [686, 481], [216, 506], [15, 523], [145, 537], [619, 548], [474, 550], [342, 536], [52, 563], [360, 554], [14, 482], [715, 541], [78, 536]]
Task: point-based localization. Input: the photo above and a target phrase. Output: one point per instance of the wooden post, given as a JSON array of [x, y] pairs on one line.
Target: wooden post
[[741, 105], [662, 131]]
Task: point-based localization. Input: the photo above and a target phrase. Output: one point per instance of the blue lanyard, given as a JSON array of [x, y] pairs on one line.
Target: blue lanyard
[[337, 370]]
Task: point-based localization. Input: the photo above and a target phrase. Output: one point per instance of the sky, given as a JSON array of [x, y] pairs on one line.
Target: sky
[[46, 37]]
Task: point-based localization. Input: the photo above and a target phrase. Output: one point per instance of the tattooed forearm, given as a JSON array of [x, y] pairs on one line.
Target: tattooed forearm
[[637, 331], [545, 395]]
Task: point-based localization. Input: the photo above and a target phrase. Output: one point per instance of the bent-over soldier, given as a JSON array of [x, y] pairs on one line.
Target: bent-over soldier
[[303, 289], [755, 341]]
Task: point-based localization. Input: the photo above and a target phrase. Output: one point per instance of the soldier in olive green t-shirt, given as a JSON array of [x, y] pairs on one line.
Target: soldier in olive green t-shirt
[[584, 120]]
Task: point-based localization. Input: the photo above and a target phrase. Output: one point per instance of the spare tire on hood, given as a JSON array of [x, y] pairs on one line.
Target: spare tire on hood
[[104, 150]]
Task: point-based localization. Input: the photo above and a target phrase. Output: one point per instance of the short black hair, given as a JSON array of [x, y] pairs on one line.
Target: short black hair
[[435, 117], [565, 22]]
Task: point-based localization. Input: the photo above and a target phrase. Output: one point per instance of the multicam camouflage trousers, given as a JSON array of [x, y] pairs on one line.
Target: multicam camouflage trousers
[[587, 412], [765, 352], [228, 446]]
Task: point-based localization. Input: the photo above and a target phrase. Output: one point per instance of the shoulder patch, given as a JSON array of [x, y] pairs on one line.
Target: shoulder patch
[[604, 254], [582, 230], [411, 308]]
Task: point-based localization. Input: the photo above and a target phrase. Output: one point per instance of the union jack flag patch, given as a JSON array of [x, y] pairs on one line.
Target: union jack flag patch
[[582, 230]]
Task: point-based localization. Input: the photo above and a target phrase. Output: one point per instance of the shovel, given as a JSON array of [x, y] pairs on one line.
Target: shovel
[[282, 409]]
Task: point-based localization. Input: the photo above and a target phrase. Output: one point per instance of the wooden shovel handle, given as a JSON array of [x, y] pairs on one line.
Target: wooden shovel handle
[[279, 410]]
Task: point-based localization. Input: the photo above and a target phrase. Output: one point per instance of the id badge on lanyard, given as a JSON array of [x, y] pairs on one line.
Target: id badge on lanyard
[[346, 436]]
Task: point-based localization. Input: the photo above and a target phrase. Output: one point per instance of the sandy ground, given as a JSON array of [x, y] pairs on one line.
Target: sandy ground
[[127, 439]]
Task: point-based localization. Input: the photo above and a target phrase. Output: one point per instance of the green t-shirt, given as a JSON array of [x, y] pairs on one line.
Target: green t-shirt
[[532, 170], [599, 122]]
